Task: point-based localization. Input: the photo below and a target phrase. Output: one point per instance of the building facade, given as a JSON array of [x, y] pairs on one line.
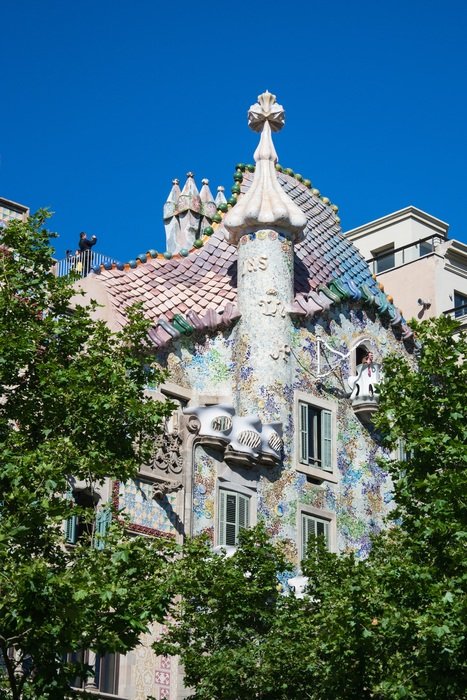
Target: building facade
[[273, 330], [410, 254], [12, 210]]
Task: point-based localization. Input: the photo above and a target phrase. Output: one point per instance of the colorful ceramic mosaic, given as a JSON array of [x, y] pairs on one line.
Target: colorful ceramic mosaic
[[362, 495], [145, 514]]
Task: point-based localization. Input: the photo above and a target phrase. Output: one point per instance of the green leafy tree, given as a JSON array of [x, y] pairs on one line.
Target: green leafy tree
[[72, 410], [390, 627], [226, 608]]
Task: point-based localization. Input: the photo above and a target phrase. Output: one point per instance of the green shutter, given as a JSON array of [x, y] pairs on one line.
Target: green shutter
[[313, 527], [303, 433], [222, 498], [70, 529], [103, 519], [234, 514], [231, 519], [243, 511], [326, 440]]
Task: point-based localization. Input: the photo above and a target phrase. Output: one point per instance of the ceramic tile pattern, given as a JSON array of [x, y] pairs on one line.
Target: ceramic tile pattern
[[207, 278], [135, 501]]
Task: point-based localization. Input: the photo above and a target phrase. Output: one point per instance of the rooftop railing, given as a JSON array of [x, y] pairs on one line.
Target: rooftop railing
[[82, 263]]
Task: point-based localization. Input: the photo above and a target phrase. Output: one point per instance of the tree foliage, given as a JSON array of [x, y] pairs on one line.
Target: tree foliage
[[72, 411], [389, 627]]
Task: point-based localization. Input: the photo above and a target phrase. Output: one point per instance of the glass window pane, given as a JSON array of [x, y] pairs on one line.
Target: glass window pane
[[385, 261], [460, 304]]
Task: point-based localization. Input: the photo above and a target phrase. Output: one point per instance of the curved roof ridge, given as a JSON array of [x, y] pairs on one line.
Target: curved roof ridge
[[222, 208]]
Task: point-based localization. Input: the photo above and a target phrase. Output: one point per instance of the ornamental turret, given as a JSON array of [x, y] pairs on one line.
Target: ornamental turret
[[264, 224], [187, 213]]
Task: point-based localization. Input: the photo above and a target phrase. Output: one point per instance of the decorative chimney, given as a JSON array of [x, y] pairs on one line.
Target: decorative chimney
[[187, 213]]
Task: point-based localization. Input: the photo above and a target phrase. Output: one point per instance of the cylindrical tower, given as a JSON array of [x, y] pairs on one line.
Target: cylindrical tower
[[264, 224]]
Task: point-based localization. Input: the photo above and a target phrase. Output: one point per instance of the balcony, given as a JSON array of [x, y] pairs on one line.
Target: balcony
[[390, 258], [364, 390], [83, 263]]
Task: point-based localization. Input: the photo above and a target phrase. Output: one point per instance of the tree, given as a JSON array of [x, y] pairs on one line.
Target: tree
[[389, 627], [72, 409]]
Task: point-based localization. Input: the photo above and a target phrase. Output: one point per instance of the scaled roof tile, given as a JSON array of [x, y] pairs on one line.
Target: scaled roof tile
[[206, 280]]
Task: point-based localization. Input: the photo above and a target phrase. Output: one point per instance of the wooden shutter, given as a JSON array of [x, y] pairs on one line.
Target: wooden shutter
[[313, 527], [322, 530], [304, 433], [231, 518], [222, 497], [243, 511], [103, 519], [71, 529], [326, 440], [308, 530], [233, 514]]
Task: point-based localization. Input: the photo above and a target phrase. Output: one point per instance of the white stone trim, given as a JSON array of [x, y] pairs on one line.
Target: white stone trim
[[438, 226]]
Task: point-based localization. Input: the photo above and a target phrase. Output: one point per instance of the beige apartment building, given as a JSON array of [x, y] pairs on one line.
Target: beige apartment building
[[11, 210], [411, 255]]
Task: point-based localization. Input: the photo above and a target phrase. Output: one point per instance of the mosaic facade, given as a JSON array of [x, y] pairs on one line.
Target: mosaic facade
[[263, 322], [362, 495], [136, 503]]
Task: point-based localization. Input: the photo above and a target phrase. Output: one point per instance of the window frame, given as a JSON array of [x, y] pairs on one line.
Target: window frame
[[381, 254], [460, 313], [319, 515], [240, 495], [101, 678], [75, 525], [326, 409]]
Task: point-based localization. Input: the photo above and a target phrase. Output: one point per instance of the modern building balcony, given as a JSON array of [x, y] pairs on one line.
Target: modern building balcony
[[390, 257]]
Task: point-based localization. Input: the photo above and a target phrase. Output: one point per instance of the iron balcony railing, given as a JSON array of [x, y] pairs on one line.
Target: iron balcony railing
[[457, 311], [82, 263], [390, 258]]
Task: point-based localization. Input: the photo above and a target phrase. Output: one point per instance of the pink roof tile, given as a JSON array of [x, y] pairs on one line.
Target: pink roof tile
[[206, 280]]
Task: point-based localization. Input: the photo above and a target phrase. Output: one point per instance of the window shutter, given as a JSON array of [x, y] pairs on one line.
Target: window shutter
[[313, 527], [308, 530], [243, 511], [401, 451], [304, 433], [326, 440], [322, 530], [231, 519], [234, 513], [222, 500], [103, 519], [70, 529]]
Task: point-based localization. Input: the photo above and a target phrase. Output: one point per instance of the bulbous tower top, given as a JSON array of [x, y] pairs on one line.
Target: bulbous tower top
[[265, 205]]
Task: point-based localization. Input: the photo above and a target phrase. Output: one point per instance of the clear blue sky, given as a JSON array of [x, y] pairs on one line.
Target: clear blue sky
[[105, 101]]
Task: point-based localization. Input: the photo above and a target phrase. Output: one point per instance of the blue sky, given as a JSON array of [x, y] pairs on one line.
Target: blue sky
[[104, 102]]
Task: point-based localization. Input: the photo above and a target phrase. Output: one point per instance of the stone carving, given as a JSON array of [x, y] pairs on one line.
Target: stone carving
[[187, 213], [245, 439], [272, 306], [254, 264], [283, 352], [167, 453], [162, 488], [266, 110], [265, 204]]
